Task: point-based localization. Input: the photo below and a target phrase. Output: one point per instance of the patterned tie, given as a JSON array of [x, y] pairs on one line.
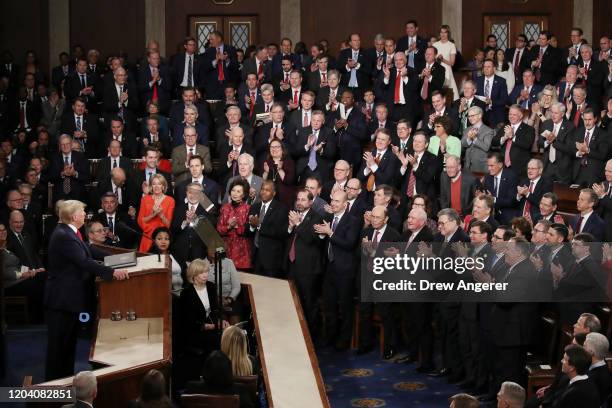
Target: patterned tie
[[114, 163], [527, 208], [190, 71], [220, 73], [111, 225], [425, 89], [353, 79], [83, 85], [79, 127], [305, 121], [295, 97], [507, 159], [252, 103], [312, 156], [372, 176], [66, 184]]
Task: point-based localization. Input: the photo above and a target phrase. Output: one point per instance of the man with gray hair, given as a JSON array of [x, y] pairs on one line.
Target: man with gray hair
[[476, 141], [510, 395], [594, 74], [246, 163], [515, 140], [530, 190], [85, 388], [556, 137], [460, 108], [452, 177], [598, 345]]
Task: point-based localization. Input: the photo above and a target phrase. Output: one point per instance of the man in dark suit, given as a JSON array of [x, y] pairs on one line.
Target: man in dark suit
[[186, 66], [278, 128], [587, 220], [546, 61], [209, 187], [69, 171], [83, 127], [411, 44], [82, 84], [419, 171], [556, 137], [378, 232], [591, 147], [151, 159], [228, 155], [268, 222], [514, 141], [519, 57], [492, 89], [341, 231], [548, 209], [248, 97], [152, 135], [380, 119], [604, 205], [118, 130], [438, 109], [379, 166], [593, 73], [431, 74], [350, 127], [581, 391], [301, 117], [113, 160], [457, 187], [61, 72], [501, 183], [187, 244], [121, 98], [128, 194], [155, 82], [525, 93], [399, 87], [285, 52], [23, 113], [598, 345], [565, 87], [315, 150], [71, 271], [304, 261], [123, 229], [356, 67], [219, 66], [329, 97], [531, 189], [21, 243], [258, 65], [318, 79], [233, 116], [189, 98]]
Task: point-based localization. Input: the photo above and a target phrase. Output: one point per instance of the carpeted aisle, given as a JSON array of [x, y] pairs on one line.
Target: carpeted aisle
[[369, 381]]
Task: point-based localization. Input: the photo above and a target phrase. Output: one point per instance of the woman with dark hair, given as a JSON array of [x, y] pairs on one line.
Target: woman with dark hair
[[217, 379], [152, 392], [161, 245], [521, 227], [503, 69], [280, 168], [232, 224], [442, 143]]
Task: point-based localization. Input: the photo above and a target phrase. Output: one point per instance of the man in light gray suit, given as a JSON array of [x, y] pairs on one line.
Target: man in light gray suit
[[468, 186], [477, 142], [246, 163], [181, 154]]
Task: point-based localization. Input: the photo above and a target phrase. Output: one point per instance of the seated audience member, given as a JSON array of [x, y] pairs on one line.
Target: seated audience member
[[422, 201], [232, 225], [510, 395], [152, 392], [522, 227], [463, 401], [383, 196], [182, 153], [119, 132], [85, 389], [598, 346], [121, 226], [96, 233], [604, 205], [230, 282], [476, 140], [217, 379], [279, 168], [548, 209], [155, 210], [163, 126], [581, 391], [190, 119], [442, 143], [189, 98], [199, 309], [246, 163], [154, 135], [234, 344], [113, 160], [161, 245]]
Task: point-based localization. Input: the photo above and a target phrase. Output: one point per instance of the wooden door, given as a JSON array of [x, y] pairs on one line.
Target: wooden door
[[507, 27], [238, 31]]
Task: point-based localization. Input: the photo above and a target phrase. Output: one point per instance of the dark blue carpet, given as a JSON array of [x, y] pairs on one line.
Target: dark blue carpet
[[370, 381]]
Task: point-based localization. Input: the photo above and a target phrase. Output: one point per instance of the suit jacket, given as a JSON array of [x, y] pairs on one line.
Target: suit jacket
[[126, 229], [209, 187], [32, 114], [603, 381], [277, 59], [164, 86], [243, 92], [73, 87], [516, 93], [224, 172], [438, 73], [426, 176], [499, 98], [544, 185], [604, 209], [223, 141], [410, 88], [187, 244], [140, 176], [313, 78], [520, 152], [564, 150], [340, 247], [591, 170], [579, 394], [524, 62], [596, 75], [390, 235], [561, 91], [262, 136], [352, 139], [550, 69], [26, 251], [469, 185], [111, 98], [210, 74], [178, 69], [130, 193], [387, 169], [325, 156], [93, 144], [201, 131], [323, 98], [249, 66], [179, 156], [308, 247], [272, 234], [594, 226], [105, 167], [58, 75], [163, 142], [505, 203], [71, 270], [421, 46], [129, 144], [77, 183], [476, 152], [363, 72], [584, 282]]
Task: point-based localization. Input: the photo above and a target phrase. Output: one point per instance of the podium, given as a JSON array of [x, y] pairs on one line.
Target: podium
[[123, 351]]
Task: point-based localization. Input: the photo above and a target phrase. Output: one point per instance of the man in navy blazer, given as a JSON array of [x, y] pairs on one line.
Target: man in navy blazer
[[69, 171], [154, 81], [249, 95], [403, 104], [515, 140], [380, 165], [350, 127], [285, 51], [219, 66], [180, 66], [501, 183], [526, 93], [71, 271], [531, 189], [587, 220], [411, 44], [492, 89], [355, 66], [546, 60], [341, 233], [188, 96]]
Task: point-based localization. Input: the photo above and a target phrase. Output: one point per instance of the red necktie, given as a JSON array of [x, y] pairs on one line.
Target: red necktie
[[259, 71], [517, 58], [375, 237], [78, 234], [295, 97], [324, 76], [305, 122], [411, 184], [398, 81], [577, 117], [369, 111], [252, 104], [155, 97], [286, 77], [507, 160], [527, 208], [221, 74]]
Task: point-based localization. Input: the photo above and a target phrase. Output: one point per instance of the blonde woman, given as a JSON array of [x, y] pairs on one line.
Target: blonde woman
[[540, 110], [156, 210], [234, 345], [446, 55]]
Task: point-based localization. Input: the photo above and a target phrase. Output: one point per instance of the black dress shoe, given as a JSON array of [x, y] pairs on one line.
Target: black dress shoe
[[389, 353], [440, 373], [364, 350]]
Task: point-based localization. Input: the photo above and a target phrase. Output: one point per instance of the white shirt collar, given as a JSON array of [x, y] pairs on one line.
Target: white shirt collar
[[381, 232], [578, 378]]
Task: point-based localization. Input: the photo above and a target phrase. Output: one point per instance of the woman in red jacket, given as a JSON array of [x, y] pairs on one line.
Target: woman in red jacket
[[232, 225]]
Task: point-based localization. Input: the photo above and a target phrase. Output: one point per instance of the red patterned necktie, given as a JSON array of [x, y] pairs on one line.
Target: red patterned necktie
[[221, 74], [527, 208]]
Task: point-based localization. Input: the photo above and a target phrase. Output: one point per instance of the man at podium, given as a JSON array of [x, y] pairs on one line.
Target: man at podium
[[72, 268]]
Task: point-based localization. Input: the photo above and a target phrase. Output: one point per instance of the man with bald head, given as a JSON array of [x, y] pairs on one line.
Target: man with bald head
[[372, 238], [127, 194], [340, 230], [357, 205], [341, 174], [457, 187]]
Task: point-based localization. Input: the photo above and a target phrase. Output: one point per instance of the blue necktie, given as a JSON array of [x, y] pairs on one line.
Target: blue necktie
[[330, 253], [353, 80], [410, 54], [312, 158]]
